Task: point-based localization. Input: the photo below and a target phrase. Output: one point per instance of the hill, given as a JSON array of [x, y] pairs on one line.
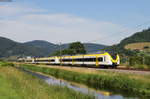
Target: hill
[[36, 48], [46, 47], [43, 48], [11, 48], [51, 48], [90, 47], [143, 36]]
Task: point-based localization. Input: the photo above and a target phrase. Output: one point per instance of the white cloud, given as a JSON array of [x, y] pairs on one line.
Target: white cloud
[[17, 9], [29, 25]]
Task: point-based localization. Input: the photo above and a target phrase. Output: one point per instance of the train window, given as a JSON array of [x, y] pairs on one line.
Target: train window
[[100, 59], [52, 60], [85, 59], [89, 59], [66, 60], [78, 59], [113, 55], [94, 59], [28, 60], [44, 60]]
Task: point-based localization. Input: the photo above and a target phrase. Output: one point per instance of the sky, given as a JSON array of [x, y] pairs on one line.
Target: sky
[[89, 21]]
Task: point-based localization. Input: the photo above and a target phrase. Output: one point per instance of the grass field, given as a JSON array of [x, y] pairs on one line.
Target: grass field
[[131, 84], [139, 46], [18, 85]]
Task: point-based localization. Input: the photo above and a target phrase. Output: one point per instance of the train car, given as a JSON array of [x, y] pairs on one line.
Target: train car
[[103, 59], [45, 60], [100, 60]]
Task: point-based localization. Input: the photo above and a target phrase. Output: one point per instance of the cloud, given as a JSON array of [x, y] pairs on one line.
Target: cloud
[[23, 24], [17, 9]]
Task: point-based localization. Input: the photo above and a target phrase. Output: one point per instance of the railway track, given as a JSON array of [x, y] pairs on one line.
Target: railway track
[[128, 71], [133, 69], [120, 69], [125, 70]]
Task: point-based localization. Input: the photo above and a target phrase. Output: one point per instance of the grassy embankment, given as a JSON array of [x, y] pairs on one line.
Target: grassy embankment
[[19, 85], [135, 85]]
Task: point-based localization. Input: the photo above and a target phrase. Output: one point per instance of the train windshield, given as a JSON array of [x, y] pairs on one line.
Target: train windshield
[[113, 55]]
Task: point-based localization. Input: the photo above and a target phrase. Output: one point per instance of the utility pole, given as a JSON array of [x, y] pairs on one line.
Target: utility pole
[[143, 60], [60, 53]]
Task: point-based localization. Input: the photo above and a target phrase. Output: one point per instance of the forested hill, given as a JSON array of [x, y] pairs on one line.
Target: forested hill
[[43, 48], [36, 48], [90, 47], [143, 36], [10, 48], [48, 47]]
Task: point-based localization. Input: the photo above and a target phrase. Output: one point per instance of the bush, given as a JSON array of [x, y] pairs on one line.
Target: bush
[[6, 64], [147, 60], [146, 47], [140, 62], [137, 60]]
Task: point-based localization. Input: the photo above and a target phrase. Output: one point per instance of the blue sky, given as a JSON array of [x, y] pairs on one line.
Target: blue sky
[[118, 11], [73, 20]]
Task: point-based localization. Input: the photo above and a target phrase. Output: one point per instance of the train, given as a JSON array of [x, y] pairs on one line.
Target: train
[[104, 59]]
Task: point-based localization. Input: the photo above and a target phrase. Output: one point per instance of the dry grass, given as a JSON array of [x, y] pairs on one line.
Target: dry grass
[[139, 46]]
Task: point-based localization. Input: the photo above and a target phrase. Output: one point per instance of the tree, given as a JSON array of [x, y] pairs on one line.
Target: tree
[[146, 47], [77, 48], [74, 48]]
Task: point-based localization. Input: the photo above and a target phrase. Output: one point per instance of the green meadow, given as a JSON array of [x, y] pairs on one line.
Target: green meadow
[[19, 85]]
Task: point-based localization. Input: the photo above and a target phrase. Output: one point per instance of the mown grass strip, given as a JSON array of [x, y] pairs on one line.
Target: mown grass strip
[[117, 82], [18, 85]]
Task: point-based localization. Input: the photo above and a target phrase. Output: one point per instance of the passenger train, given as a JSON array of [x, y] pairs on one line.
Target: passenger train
[[99, 60]]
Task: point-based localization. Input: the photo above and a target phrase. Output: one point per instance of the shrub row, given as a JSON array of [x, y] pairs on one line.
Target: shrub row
[[139, 60]]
